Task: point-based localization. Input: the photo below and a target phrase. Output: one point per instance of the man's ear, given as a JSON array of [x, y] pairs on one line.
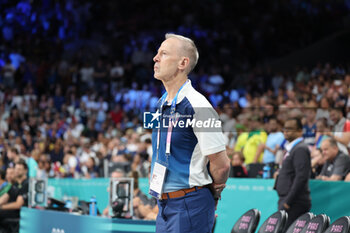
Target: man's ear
[[184, 63]]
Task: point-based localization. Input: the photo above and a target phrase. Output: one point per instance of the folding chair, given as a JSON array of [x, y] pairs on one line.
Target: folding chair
[[275, 223], [317, 225], [300, 223], [247, 223], [341, 225]]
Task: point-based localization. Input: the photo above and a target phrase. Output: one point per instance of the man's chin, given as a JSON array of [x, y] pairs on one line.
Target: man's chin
[[157, 76]]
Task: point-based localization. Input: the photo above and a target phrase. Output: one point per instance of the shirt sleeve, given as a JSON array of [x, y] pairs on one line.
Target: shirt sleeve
[[280, 139], [341, 166], [324, 169], [209, 132], [346, 126]]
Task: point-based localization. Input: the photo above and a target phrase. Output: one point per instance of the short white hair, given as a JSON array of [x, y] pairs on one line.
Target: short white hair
[[188, 48]]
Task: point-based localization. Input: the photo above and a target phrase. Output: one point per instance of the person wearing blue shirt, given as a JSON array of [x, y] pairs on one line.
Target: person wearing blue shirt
[[189, 165], [309, 128], [274, 140]]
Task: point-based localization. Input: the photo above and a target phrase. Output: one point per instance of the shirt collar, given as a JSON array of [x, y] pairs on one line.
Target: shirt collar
[[184, 91], [291, 144], [182, 94]]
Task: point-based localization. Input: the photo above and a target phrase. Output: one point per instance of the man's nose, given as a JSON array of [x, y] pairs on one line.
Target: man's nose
[[156, 58]]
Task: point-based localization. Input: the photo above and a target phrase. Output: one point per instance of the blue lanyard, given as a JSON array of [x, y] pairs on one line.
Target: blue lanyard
[[173, 103], [172, 113]]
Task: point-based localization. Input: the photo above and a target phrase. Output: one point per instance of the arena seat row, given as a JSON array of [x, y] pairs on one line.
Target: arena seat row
[[275, 223]]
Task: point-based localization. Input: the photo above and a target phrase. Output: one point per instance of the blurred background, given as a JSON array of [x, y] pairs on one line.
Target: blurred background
[[77, 76]]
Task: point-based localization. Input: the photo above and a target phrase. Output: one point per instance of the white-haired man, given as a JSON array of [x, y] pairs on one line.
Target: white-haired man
[[189, 164]]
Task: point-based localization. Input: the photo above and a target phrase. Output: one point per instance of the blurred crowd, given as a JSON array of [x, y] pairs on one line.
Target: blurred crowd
[[77, 76], [74, 86]]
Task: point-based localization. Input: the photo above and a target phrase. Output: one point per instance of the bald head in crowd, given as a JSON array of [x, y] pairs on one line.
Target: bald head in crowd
[[337, 163]]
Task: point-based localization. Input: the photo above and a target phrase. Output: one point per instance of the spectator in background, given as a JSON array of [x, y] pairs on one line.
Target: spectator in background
[[19, 104], [10, 175], [8, 74], [322, 129], [144, 208], [4, 184], [70, 165], [256, 138], [44, 167], [13, 156], [11, 202], [117, 173], [242, 137], [323, 110], [292, 182], [317, 159], [101, 76], [32, 166], [56, 154], [273, 142], [116, 74], [91, 170], [141, 163], [309, 127], [238, 169], [337, 164], [341, 129], [87, 76]]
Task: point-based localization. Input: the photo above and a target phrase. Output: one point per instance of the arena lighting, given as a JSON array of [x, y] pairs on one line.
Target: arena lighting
[[37, 195], [121, 197]]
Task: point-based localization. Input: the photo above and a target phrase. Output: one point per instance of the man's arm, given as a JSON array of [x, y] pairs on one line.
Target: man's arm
[[219, 167], [331, 178], [16, 205], [219, 170], [344, 139], [341, 168], [4, 198]]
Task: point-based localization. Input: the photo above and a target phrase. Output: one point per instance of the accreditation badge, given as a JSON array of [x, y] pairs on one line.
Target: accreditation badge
[[157, 180]]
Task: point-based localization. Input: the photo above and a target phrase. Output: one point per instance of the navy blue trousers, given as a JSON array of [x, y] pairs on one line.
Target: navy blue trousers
[[194, 212]]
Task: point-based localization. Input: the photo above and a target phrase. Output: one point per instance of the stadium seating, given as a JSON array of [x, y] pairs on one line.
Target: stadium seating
[[275, 223], [341, 225], [300, 223], [317, 225], [248, 222]]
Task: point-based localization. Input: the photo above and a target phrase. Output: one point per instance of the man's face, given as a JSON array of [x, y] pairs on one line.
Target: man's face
[[236, 160], [253, 124], [335, 116], [10, 154], [310, 114], [329, 152], [20, 171], [167, 59], [273, 125], [10, 174], [290, 130], [320, 127]]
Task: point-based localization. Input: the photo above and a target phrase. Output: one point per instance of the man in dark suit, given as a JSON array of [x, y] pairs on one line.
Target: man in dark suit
[[292, 182]]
